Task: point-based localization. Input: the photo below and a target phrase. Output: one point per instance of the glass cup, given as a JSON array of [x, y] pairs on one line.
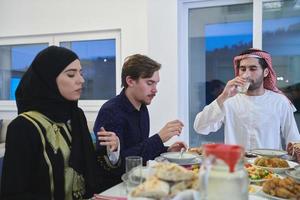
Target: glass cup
[[133, 171], [244, 88]]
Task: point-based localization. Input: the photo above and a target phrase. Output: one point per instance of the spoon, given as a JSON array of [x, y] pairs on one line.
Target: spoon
[[181, 152]]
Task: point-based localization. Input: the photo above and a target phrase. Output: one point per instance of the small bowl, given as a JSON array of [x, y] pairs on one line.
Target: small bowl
[[176, 158]]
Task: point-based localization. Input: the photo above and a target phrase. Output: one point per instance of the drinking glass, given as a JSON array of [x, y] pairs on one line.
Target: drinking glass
[[133, 171], [244, 88]]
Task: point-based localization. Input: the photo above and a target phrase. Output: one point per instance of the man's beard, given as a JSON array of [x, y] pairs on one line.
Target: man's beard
[[255, 85]]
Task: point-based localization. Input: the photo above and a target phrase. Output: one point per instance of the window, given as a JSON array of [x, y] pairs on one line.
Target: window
[[213, 32], [14, 61], [215, 35], [281, 37], [98, 60], [98, 52]]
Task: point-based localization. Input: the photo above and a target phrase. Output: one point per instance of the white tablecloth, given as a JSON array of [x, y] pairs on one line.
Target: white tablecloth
[[120, 191]]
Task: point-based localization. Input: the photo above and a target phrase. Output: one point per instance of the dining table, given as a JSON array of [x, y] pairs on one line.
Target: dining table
[[118, 192]]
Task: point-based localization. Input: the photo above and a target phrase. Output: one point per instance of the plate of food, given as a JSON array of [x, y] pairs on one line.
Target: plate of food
[[271, 197], [168, 181], [276, 165], [281, 189], [186, 158], [269, 152], [258, 174]]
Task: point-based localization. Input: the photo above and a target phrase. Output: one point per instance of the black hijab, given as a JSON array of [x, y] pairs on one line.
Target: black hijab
[[38, 91]]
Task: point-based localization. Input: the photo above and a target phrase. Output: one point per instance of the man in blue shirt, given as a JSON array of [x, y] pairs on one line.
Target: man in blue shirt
[[127, 116]]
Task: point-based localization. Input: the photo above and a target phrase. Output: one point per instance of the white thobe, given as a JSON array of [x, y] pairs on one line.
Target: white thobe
[[251, 121]]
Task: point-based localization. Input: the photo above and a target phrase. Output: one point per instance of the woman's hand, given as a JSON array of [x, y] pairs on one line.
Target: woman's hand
[[109, 139]]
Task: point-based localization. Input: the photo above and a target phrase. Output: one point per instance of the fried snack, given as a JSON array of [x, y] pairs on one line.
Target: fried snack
[[173, 172], [271, 162], [152, 188], [284, 188]]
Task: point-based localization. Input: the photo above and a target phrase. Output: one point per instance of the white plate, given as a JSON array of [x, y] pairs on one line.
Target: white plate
[[294, 173], [262, 180], [269, 152], [276, 169], [254, 197], [144, 174], [270, 196], [175, 157]]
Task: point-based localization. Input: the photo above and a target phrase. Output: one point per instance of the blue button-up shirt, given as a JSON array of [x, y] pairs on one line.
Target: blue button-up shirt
[[131, 126]]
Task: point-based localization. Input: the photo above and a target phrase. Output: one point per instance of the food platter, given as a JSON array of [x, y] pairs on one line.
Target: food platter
[[269, 152], [277, 170], [186, 158], [258, 174]]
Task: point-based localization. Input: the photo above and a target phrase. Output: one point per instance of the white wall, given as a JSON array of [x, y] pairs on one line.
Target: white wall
[[146, 26]]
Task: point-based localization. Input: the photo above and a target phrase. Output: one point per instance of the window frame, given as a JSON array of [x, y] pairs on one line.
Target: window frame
[[55, 39], [184, 6]]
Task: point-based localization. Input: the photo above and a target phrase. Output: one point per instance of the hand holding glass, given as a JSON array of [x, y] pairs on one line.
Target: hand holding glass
[[244, 88]]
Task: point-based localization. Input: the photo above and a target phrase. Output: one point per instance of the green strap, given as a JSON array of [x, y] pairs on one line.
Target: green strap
[[44, 152], [53, 135], [74, 182]]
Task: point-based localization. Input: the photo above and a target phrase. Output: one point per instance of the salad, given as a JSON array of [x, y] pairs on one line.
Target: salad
[[257, 173]]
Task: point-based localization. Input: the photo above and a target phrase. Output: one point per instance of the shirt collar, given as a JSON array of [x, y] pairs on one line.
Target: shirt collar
[[127, 104]]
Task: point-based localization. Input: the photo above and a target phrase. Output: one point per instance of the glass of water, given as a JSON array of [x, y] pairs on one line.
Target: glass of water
[[133, 171], [244, 88]]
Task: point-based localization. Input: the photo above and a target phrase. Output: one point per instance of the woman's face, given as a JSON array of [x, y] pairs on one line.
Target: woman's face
[[70, 81]]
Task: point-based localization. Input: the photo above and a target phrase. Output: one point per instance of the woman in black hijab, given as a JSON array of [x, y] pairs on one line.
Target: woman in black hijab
[[49, 150]]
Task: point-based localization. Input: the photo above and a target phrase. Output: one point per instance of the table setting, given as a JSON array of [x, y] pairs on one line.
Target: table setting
[[192, 174]]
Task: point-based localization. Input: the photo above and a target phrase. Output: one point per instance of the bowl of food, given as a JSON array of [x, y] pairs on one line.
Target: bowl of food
[[178, 157]]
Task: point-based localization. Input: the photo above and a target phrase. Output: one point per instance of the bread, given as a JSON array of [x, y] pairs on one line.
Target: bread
[[184, 185], [152, 188], [173, 172]]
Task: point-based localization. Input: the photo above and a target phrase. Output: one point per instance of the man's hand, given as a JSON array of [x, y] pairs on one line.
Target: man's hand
[[230, 89], [109, 139], [177, 146], [170, 129]]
